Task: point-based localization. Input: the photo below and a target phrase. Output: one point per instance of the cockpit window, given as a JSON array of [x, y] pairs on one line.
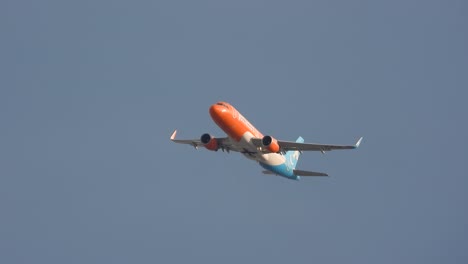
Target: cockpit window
[[222, 104]]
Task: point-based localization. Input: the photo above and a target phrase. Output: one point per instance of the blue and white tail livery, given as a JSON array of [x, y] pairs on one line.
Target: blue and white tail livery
[[287, 168], [292, 156]]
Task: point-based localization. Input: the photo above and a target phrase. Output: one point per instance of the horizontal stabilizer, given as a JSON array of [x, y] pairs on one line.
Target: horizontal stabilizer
[[308, 173]]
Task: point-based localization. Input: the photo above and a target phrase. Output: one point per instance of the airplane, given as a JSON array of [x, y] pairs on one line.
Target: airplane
[[277, 157]]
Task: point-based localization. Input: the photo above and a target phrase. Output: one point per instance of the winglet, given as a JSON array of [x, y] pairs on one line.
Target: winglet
[[358, 143], [173, 134]]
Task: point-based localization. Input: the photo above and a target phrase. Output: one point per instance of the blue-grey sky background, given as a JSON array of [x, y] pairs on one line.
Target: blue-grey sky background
[[91, 90]]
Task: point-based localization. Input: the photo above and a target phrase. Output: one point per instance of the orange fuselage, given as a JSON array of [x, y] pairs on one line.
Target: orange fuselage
[[233, 123]]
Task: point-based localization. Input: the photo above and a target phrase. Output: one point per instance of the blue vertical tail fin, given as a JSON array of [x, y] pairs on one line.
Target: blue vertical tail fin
[[292, 156]]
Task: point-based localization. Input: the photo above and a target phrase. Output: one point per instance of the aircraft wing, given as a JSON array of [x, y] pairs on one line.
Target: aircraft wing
[[224, 143], [289, 145]]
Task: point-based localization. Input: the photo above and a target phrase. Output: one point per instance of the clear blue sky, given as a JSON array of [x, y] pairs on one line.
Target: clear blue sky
[[91, 90]]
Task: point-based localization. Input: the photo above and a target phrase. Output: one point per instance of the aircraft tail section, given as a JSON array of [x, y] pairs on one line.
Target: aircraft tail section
[[292, 156]]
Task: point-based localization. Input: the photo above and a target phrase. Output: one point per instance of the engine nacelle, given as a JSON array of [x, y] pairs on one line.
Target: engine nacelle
[[271, 144], [209, 142]]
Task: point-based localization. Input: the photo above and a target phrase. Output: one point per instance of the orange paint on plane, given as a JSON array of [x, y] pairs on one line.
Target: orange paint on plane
[[231, 121], [212, 145]]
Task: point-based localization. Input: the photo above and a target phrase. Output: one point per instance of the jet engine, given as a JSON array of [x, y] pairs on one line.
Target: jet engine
[[270, 144], [209, 142]]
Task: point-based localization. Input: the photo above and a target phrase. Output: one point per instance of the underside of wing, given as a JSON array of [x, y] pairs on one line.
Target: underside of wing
[[289, 145], [194, 142], [224, 143]]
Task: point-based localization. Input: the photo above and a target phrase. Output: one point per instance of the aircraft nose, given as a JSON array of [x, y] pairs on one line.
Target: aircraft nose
[[220, 111], [217, 110]]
